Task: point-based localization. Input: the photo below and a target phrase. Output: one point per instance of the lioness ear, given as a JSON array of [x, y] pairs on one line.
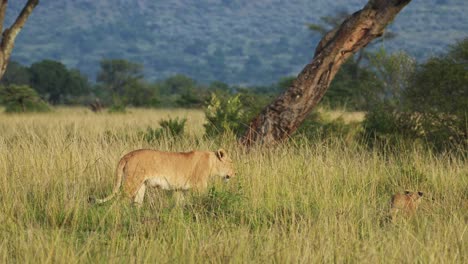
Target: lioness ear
[[420, 194], [220, 153], [407, 192]]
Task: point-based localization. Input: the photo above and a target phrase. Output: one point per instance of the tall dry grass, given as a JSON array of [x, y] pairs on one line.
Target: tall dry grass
[[302, 202]]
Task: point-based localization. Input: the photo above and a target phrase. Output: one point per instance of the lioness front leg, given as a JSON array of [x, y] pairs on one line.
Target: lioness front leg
[[138, 200]]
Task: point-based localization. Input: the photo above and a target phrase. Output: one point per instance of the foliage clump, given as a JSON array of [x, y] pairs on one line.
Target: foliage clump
[[21, 98], [319, 126], [431, 105], [224, 115], [172, 127]]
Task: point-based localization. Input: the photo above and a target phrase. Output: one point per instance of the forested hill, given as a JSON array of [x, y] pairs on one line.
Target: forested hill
[[235, 41]]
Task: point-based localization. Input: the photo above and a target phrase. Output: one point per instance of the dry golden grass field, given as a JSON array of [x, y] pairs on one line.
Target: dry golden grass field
[[301, 202]]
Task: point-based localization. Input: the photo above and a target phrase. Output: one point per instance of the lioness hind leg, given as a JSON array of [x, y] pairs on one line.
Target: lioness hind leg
[[138, 200]]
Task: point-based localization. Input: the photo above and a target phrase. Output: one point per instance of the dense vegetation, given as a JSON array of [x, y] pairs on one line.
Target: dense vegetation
[[307, 201], [402, 98], [235, 41]]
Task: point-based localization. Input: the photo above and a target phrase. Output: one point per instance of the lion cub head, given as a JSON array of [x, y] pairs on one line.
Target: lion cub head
[[223, 165]]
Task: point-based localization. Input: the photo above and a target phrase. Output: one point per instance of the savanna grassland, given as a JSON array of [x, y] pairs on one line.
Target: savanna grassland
[[301, 202]]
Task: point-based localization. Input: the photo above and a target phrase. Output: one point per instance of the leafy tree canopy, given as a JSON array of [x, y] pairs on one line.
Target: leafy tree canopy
[[117, 74], [21, 98]]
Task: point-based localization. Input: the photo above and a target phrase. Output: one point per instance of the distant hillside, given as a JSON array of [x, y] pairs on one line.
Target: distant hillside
[[235, 41]]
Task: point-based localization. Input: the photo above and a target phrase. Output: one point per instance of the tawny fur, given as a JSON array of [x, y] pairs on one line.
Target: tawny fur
[[407, 203], [178, 171]]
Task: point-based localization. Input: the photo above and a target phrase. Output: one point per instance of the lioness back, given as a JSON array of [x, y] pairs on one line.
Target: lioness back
[[169, 171], [165, 170]]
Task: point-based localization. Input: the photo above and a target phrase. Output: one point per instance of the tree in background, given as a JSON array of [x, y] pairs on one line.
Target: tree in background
[[142, 94], [21, 98], [9, 34], [183, 91], [16, 74], [177, 84], [49, 78], [78, 84], [441, 84], [117, 74], [54, 82], [394, 72], [428, 102], [121, 78]]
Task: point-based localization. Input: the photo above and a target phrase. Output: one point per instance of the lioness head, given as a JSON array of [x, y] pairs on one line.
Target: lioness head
[[223, 165]]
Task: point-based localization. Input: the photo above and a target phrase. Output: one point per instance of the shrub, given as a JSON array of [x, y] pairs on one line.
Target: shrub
[[440, 130], [380, 123], [432, 106], [21, 98], [318, 126], [224, 115], [169, 128], [118, 105]]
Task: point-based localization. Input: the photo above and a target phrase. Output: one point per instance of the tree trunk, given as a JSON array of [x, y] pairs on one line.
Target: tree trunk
[[9, 35], [283, 116]]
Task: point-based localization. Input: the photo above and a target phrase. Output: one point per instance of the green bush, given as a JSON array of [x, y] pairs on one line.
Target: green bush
[[224, 115], [169, 128], [431, 107], [118, 105], [21, 98], [439, 130], [117, 108], [380, 123], [173, 127], [318, 127]]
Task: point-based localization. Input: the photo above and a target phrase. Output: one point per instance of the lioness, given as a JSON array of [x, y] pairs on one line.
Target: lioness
[[177, 171], [407, 202]]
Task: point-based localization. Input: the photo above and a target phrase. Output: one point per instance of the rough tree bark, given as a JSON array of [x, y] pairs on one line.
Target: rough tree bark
[[283, 116], [9, 35]]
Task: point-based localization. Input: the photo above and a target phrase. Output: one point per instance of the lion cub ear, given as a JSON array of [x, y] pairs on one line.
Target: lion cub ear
[[420, 194], [407, 192], [220, 153]]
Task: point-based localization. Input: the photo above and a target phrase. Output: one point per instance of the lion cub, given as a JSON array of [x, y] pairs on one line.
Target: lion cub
[[407, 202]]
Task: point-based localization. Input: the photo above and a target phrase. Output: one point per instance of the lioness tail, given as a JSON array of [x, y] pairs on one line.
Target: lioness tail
[[119, 173]]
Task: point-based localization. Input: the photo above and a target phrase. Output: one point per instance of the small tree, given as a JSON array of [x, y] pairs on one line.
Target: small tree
[[21, 98], [224, 115]]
